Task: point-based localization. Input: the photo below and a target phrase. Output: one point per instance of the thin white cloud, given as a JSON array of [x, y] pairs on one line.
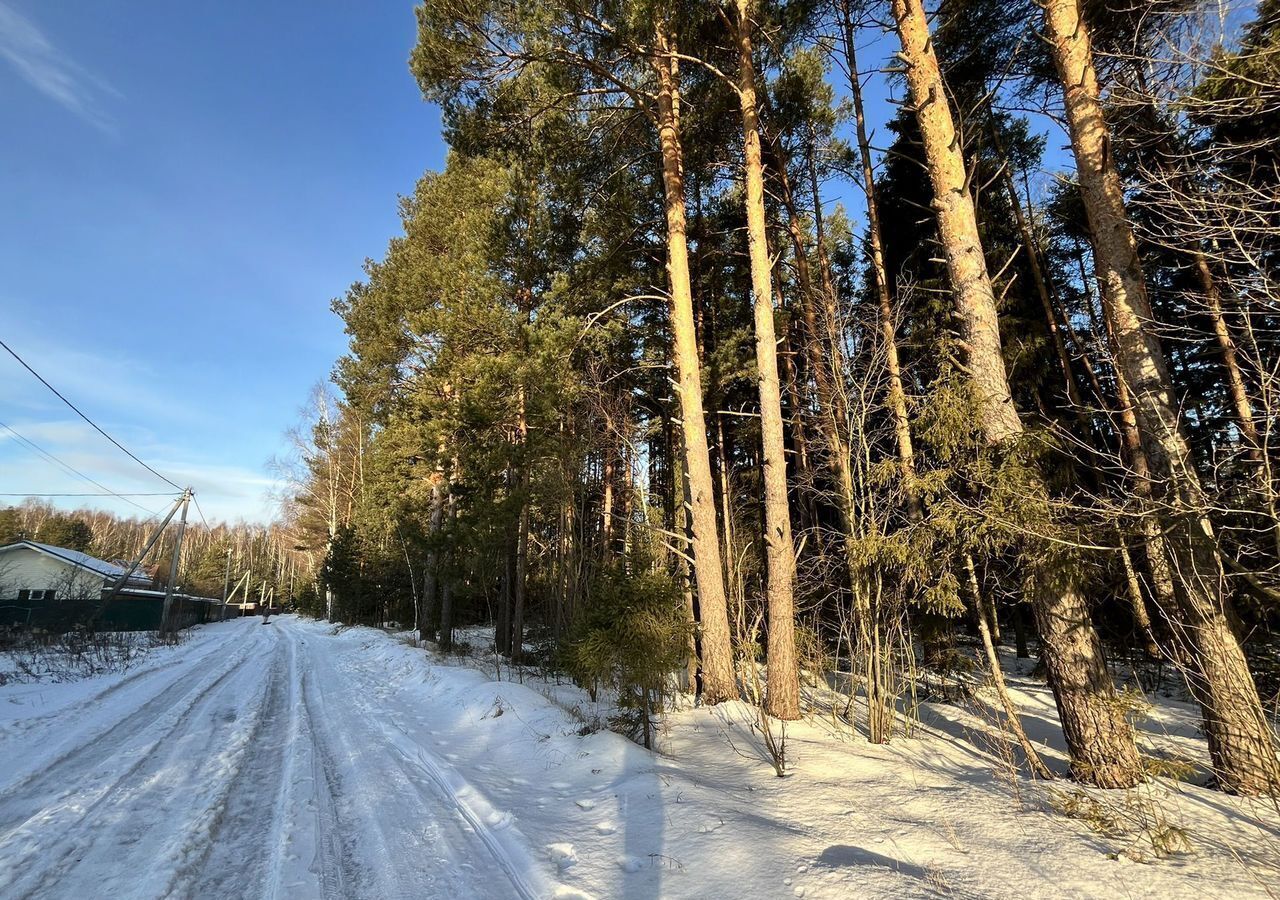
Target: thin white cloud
[[113, 381], [226, 492], [50, 71], [136, 403]]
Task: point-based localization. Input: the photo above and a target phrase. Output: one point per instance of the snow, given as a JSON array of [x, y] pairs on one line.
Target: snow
[[300, 760], [76, 558]]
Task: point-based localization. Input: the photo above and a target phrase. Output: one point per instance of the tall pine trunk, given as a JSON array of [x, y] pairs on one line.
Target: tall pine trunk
[[507, 581], [446, 578], [1162, 590], [782, 698], [428, 614], [1099, 739], [1230, 358], [868, 625], [1240, 400], [519, 588], [718, 681], [1031, 247], [827, 366], [1241, 742]]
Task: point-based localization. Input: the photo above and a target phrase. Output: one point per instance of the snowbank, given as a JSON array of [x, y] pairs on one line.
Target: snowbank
[[922, 817]]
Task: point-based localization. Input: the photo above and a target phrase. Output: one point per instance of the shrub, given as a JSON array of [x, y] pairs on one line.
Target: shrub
[[631, 635]]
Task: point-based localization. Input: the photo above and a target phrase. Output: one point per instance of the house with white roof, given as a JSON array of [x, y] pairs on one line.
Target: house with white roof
[[35, 571], [56, 589]]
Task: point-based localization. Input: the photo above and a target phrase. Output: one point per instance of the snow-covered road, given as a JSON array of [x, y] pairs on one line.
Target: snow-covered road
[[243, 764], [302, 760]]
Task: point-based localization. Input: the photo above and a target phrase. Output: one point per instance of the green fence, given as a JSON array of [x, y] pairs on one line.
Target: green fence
[[121, 614]]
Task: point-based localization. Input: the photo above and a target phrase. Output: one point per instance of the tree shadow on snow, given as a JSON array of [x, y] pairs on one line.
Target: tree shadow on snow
[[840, 856], [931, 883]]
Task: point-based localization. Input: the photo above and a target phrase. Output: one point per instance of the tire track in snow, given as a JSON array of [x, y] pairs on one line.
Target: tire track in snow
[[298, 754], [254, 849], [266, 774], [453, 787], [63, 778], [506, 849], [236, 859], [28, 731], [311, 818], [335, 858], [41, 846], [213, 784], [426, 843]]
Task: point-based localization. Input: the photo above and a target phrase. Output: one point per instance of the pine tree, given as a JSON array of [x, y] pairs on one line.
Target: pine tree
[[1240, 738], [1099, 739], [783, 697]]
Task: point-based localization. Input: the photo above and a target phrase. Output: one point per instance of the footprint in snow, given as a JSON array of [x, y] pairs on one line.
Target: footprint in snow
[[629, 864]]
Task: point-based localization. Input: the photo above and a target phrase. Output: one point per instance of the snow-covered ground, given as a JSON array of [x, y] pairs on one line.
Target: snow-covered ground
[[299, 760]]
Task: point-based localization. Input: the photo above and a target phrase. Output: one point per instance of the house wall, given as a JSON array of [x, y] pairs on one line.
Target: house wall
[[23, 568]]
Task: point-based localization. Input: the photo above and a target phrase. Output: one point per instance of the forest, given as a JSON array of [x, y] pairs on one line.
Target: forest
[[745, 342], [214, 556]]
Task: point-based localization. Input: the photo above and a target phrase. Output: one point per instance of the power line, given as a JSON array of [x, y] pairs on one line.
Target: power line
[[40, 451], [159, 512], [200, 511], [83, 416], [99, 494], [36, 448]]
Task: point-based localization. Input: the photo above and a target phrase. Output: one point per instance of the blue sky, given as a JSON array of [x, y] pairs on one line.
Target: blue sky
[[184, 187]]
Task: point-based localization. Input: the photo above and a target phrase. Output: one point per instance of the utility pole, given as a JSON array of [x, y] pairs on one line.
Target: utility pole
[[133, 567], [226, 583], [166, 626], [241, 582]]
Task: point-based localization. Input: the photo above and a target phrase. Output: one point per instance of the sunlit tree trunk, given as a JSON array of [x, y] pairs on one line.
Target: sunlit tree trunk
[[519, 588], [506, 596], [782, 698], [1141, 618], [446, 578], [827, 368], [427, 616], [1031, 247], [1099, 739], [1239, 392], [1230, 359], [606, 504], [718, 681], [1241, 741], [1162, 590]]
